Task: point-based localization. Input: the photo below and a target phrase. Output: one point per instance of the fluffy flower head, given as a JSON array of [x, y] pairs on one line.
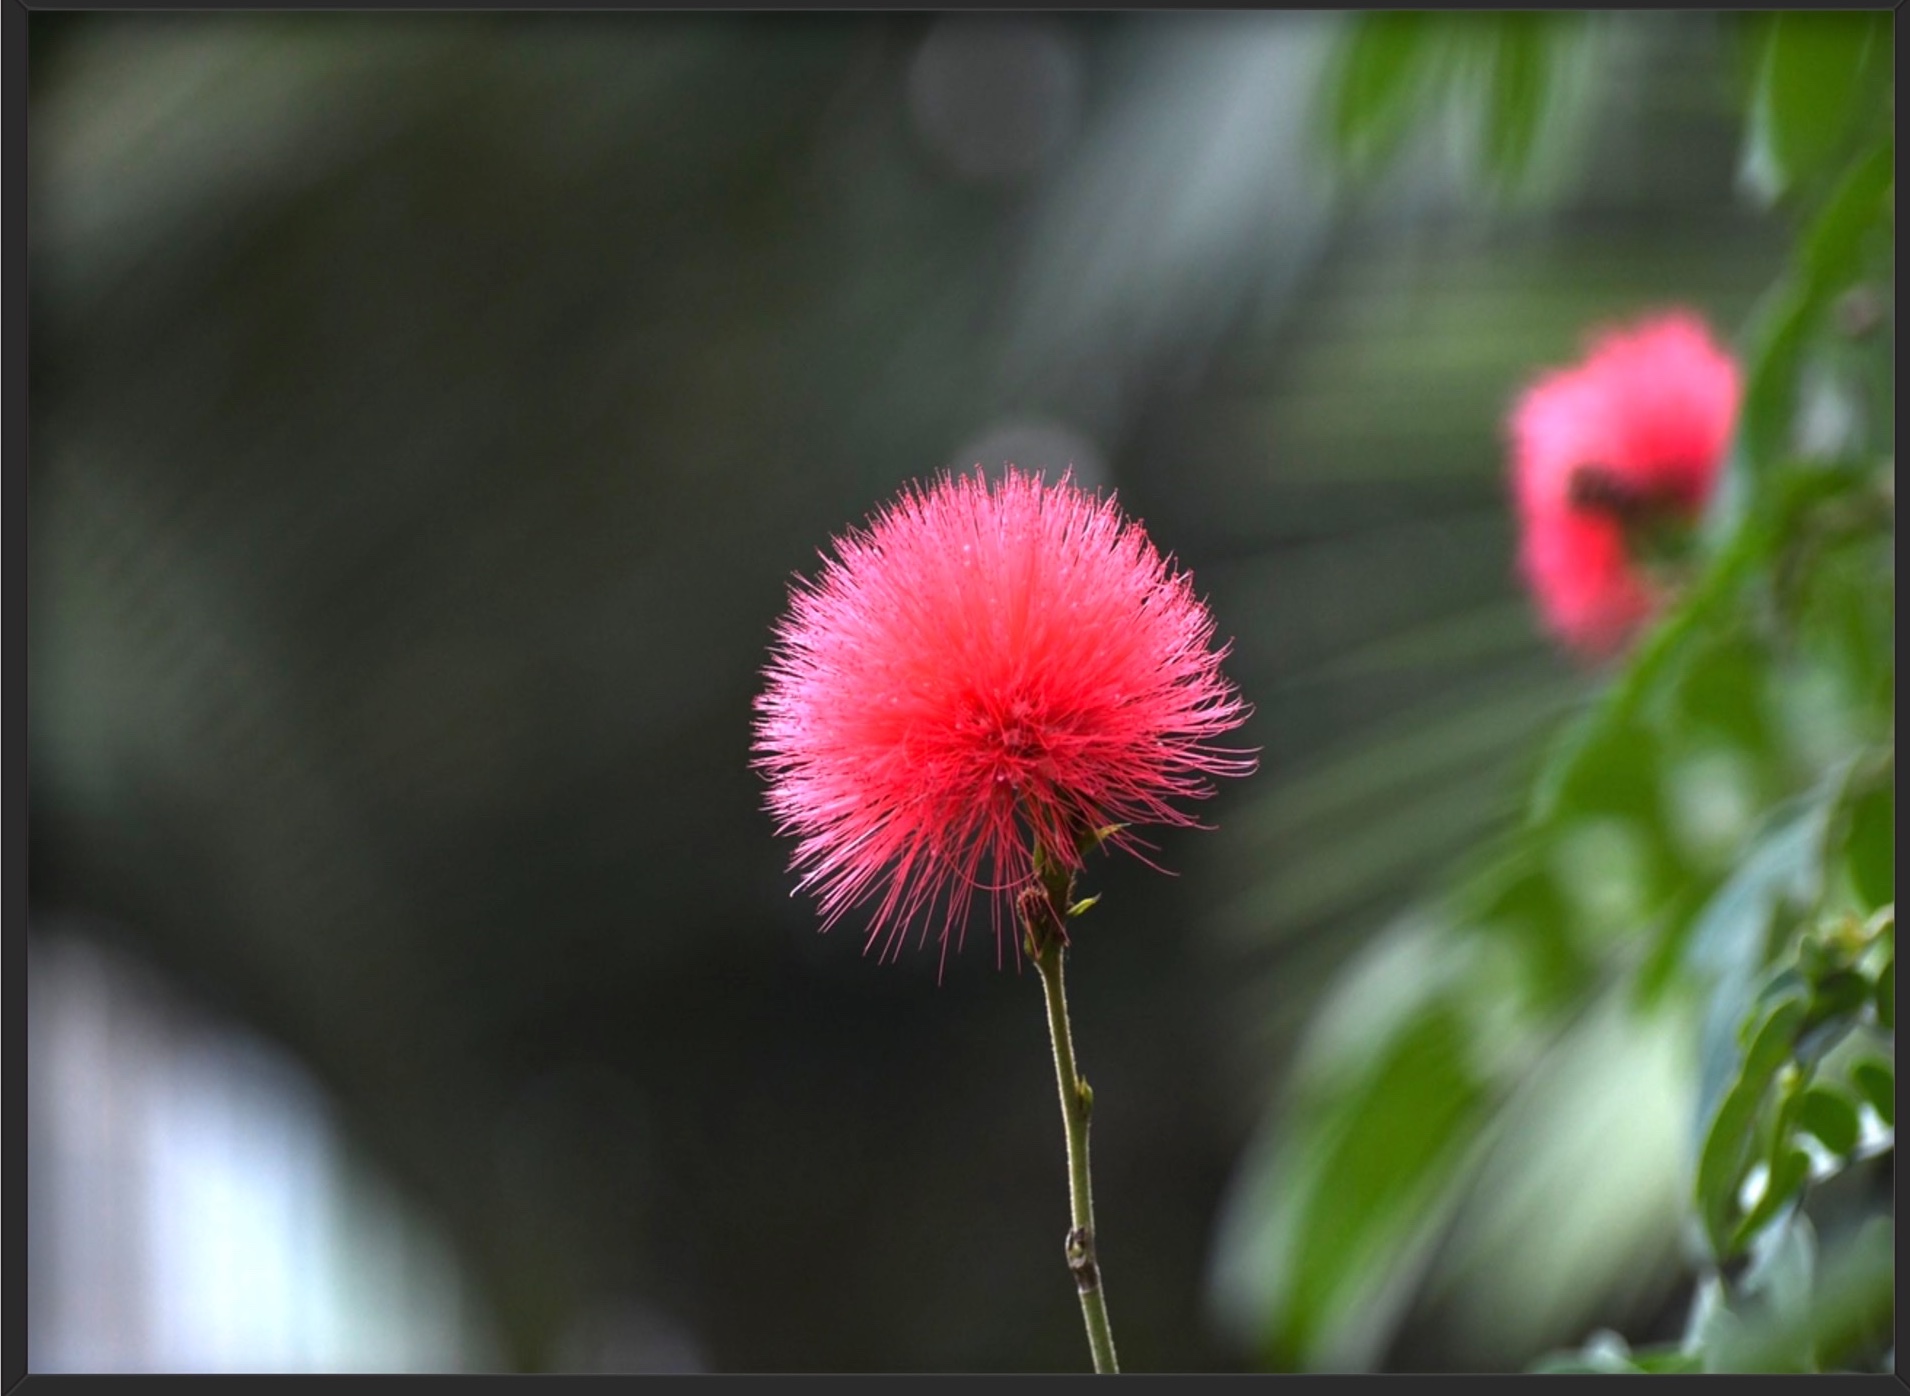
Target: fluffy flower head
[[984, 665], [1632, 436]]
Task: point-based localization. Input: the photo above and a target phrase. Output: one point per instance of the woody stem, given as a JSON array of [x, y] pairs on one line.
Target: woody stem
[[1047, 946]]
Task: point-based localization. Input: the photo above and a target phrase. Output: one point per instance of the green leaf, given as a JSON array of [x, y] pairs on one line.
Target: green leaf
[[1871, 846], [1836, 1000], [1390, 59], [1364, 1172], [1665, 1357], [1726, 946], [1419, 1110], [1609, 776], [1830, 261], [1727, 1143], [1580, 1362], [1669, 938], [1784, 1264], [1819, 81], [1722, 690], [1713, 1326], [1787, 983], [1780, 1277], [1787, 1178], [1520, 899], [1848, 1313], [1835, 946], [1878, 1082], [1839, 994], [1830, 1117], [1886, 994], [1840, 597], [1608, 1352], [1522, 63], [1710, 1319], [1602, 764]]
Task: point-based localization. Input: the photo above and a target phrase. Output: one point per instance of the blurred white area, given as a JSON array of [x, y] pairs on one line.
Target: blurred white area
[[1591, 1156], [996, 96], [1195, 191], [1035, 444], [193, 1208]]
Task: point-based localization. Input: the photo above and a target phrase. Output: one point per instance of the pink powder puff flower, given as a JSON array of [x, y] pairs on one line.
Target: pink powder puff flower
[[984, 665], [1631, 438]]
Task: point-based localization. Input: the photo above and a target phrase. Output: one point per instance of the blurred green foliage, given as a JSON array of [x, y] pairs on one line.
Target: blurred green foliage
[[1398, 66], [1696, 911]]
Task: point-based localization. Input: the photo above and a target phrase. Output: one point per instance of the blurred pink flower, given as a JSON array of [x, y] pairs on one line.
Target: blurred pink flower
[[982, 665], [1632, 437]]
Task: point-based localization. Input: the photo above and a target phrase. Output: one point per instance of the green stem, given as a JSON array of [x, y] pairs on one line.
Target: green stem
[[1047, 947]]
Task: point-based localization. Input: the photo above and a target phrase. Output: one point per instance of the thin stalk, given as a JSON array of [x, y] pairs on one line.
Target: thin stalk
[[1047, 947]]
